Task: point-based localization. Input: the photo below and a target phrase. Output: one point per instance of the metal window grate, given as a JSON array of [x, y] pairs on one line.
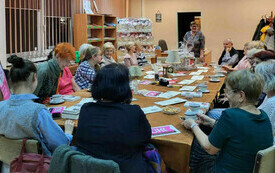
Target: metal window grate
[[34, 27]]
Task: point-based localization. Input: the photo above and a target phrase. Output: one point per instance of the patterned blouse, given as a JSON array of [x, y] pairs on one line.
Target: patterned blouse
[[84, 75], [194, 43]]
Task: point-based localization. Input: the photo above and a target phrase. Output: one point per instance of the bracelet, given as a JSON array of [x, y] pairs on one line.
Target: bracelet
[[193, 125]]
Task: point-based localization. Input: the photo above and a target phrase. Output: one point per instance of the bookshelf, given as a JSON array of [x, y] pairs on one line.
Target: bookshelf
[[94, 29]]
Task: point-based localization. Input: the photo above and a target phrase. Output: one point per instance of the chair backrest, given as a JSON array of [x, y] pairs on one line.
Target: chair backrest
[[265, 161], [10, 148], [69, 160]]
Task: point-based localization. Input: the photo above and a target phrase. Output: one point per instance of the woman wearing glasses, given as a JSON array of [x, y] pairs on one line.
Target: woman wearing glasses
[[241, 131]]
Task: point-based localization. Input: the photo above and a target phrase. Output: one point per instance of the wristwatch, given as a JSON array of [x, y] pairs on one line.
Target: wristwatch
[[193, 125]]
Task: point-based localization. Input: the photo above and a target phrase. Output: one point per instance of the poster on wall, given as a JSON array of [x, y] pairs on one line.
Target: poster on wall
[[4, 88], [87, 7]]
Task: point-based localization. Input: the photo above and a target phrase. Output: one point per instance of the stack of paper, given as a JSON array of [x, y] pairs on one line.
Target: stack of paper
[[197, 77], [164, 130], [73, 111], [188, 88], [151, 109]]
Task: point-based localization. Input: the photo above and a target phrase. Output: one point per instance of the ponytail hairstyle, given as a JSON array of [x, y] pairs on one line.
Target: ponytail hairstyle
[[21, 69], [90, 52]]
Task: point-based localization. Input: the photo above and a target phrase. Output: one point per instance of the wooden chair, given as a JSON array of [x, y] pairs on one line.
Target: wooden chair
[[265, 161], [10, 148]]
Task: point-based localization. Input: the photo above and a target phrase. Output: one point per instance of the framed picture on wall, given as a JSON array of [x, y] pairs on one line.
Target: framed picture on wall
[[158, 16]]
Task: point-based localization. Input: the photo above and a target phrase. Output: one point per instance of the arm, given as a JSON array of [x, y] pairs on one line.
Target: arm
[[50, 133], [127, 62], [233, 59], [75, 86]]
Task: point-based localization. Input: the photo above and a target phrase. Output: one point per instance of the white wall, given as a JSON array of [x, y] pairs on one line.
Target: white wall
[[3, 58]]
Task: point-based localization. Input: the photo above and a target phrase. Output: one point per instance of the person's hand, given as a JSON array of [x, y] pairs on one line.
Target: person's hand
[[201, 58], [226, 68], [205, 120], [223, 99], [69, 126], [187, 123], [228, 49]]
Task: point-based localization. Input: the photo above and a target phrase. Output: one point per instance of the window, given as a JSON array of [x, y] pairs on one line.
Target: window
[[33, 27]]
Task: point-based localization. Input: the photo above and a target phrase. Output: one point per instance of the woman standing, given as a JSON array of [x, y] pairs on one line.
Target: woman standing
[[86, 71], [195, 41], [241, 131]]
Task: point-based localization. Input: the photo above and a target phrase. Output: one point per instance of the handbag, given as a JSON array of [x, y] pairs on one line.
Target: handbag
[[153, 157], [30, 162]]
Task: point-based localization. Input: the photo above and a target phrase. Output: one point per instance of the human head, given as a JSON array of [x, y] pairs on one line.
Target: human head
[[130, 47], [112, 84], [108, 50], [194, 26], [255, 44], [22, 73], [266, 70], [239, 92], [261, 56], [93, 55], [227, 43], [64, 54], [83, 48], [162, 44], [138, 46]]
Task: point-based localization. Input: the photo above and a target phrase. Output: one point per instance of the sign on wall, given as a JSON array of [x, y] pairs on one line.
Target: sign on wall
[[158, 16]]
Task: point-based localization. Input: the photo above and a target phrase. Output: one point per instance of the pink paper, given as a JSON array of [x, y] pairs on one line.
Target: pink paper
[[161, 130], [57, 110], [4, 85], [152, 94], [145, 82]]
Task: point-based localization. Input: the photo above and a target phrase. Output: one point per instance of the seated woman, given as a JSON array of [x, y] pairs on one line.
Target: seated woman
[[86, 71], [260, 57], [266, 70], [130, 59], [108, 53], [141, 58], [244, 62], [241, 131], [66, 83], [112, 128], [22, 118], [48, 73]]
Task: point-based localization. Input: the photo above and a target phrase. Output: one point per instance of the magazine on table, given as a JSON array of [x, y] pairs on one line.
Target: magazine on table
[[72, 112]]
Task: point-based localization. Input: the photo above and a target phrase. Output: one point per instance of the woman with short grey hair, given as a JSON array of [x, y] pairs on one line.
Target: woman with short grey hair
[[266, 70]]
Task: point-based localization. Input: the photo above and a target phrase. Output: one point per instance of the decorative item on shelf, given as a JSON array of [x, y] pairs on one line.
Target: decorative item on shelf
[[87, 7]]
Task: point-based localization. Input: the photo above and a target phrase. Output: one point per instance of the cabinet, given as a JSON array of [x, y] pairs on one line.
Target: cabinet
[[94, 29]]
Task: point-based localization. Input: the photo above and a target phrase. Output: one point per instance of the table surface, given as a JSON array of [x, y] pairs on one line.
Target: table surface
[[174, 149]]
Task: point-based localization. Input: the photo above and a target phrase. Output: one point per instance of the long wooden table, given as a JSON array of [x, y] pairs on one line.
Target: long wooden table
[[174, 149]]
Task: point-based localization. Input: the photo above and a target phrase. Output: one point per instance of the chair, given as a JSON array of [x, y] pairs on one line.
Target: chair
[[265, 161], [68, 160], [10, 148]]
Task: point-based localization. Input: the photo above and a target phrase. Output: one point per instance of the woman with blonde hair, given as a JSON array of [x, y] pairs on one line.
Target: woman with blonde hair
[[86, 71], [241, 131], [130, 59], [108, 53]]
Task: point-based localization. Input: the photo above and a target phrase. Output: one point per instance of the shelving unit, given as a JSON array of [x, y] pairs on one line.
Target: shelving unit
[[94, 29]]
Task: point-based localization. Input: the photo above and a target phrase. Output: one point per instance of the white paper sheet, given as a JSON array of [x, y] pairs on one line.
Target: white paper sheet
[[171, 101], [188, 88], [149, 76], [197, 77], [186, 82], [195, 73], [168, 94], [202, 71], [151, 109]]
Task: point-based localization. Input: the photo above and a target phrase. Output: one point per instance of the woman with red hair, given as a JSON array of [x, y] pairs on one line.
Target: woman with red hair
[[49, 73]]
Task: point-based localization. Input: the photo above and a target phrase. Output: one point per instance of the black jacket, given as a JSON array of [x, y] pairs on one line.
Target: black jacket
[[114, 131], [257, 33], [232, 52]]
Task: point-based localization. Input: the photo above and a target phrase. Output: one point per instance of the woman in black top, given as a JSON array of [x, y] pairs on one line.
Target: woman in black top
[[112, 128]]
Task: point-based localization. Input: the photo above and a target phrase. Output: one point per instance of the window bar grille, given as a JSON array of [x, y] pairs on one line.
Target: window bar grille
[[25, 25], [20, 27], [29, 27], [65, 22], [52, 24], [33, 29], [15, 27], [10, 27]]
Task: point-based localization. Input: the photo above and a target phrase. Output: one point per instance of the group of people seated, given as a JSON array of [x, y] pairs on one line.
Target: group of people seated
[[114, 129]]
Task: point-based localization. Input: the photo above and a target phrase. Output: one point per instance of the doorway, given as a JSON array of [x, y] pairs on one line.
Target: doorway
[[184, 20]]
